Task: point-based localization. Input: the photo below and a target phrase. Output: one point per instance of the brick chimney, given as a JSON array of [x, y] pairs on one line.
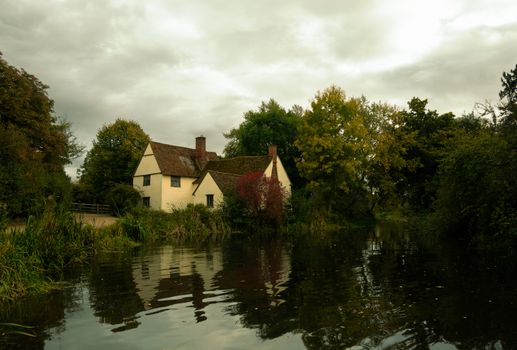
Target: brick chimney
[[201, 147], [272, 152]]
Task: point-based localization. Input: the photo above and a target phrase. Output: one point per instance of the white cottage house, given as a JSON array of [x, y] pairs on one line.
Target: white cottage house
[[172, 176]]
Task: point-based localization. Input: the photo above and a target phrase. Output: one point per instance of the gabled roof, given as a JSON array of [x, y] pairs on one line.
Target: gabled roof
[[225, 172], [226, 182], [179, 161], [239, 165]]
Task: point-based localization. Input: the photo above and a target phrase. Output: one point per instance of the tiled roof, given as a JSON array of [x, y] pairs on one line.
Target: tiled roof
[[225, 172], [240, 165], [226, 182], [179, 161]]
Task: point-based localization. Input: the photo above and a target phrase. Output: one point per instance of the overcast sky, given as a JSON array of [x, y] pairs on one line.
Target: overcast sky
[[191, 67]]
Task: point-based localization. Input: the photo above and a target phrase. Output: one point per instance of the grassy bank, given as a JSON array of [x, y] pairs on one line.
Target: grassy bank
[[194, 223], [34, 257]]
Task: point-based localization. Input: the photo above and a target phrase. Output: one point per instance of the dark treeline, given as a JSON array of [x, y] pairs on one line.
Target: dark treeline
[[350, 159]]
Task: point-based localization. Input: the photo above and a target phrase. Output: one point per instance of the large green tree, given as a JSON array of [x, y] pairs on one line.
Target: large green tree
[[476, 195], [333, 147], [430, 133], [270, 124], [387, 160], [35, 145], [112, 160], [477, 192]]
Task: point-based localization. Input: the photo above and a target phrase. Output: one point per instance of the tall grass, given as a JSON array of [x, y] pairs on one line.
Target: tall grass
[[195, 222], [32, 257]]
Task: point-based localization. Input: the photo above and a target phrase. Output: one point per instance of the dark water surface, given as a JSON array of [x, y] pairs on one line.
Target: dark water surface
[[358, 291]]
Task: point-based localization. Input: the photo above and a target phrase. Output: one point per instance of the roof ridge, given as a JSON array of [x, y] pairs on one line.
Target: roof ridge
[[222, 172], [179, 160], [240, 157], [169, 145]]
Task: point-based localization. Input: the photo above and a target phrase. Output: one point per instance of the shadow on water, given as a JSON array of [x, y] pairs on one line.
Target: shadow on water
[[375, 289], [39, 314]]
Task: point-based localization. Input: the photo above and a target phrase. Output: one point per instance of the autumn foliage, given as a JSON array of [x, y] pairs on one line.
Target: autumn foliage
[[262, 197]]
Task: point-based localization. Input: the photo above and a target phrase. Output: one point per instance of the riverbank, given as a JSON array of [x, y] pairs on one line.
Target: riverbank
[[95, 220], [34, 254]]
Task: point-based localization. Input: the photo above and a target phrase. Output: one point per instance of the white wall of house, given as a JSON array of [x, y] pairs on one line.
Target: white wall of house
[[149, 166], [208, 186], [282, 175], [177, 197], [153, 191]]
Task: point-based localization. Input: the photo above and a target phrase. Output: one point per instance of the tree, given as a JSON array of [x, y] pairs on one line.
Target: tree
[[262, 197], [34, 144], [509, 90], [430, 133], [475, 195], [387, 159], [271, 124], [508, 106], [333, 146], [113, 158]]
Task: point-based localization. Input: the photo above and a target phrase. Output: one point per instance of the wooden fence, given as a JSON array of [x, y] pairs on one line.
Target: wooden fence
[[91, 208]]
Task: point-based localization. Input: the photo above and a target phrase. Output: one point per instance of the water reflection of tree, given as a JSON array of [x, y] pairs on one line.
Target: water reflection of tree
[[373, 292], [339, 302], [113, 294], [43, 312], [257, 274], [456, 296]]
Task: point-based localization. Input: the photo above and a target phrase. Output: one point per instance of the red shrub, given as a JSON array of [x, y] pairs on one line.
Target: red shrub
[[263, 197]]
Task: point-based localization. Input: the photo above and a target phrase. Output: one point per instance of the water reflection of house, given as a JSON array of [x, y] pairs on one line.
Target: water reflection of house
[[175, 272], [174, 276]]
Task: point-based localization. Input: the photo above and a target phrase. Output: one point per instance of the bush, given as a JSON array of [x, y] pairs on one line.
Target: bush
[[197, 222], [123, 198], [4, 219]]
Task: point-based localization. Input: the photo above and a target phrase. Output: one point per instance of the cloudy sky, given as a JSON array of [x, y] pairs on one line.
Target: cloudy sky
[[191, 67]]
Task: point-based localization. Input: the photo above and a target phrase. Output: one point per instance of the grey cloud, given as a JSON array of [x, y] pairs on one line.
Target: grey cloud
[[463, 72], [184, 68]]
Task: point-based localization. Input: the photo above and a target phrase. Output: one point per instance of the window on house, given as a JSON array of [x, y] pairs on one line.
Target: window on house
[[175, 181], [146, 201], [210, 200], [147, 180]]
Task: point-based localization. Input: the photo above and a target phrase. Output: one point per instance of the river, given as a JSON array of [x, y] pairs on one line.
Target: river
[[361, 290]]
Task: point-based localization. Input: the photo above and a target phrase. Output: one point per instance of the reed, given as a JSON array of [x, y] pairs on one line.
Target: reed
[[33, 257], [195, 222]]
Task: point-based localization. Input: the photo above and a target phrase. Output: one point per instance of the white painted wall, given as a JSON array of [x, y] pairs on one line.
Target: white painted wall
[[282, 175], [208, 186], [149, 166], [177, 197], [154, 191]]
